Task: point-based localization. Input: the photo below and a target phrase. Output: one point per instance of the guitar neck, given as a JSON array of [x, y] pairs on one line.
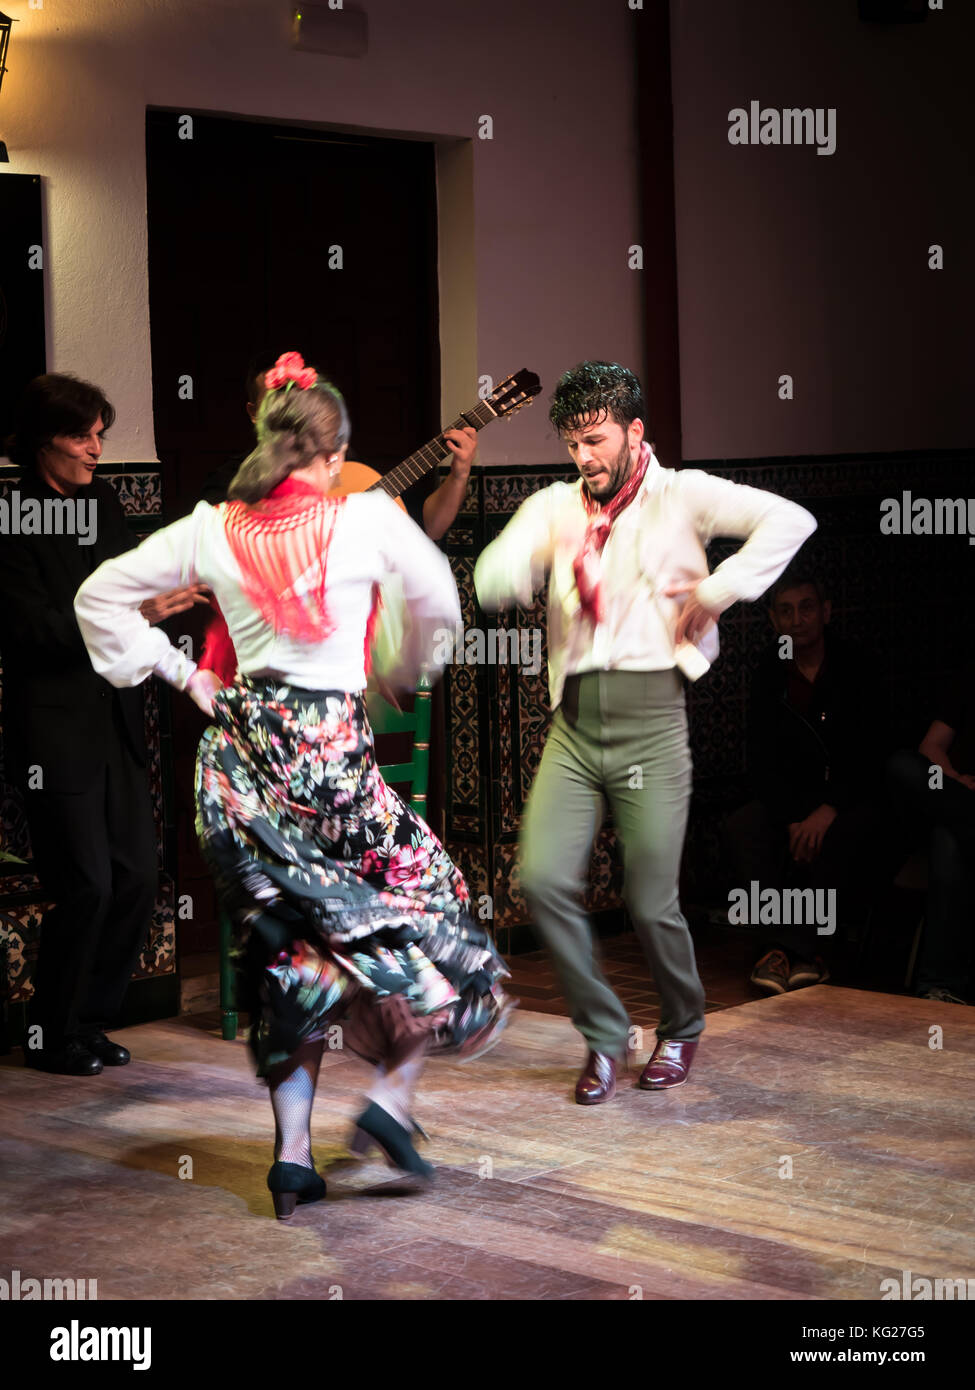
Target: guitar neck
[[431, 455]]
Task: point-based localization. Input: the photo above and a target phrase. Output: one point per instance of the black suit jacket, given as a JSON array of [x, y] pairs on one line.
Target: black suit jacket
[[57, 711]]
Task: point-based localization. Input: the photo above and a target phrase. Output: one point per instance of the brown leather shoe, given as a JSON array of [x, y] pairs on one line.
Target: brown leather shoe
[[597, 1081], [669, 1065]]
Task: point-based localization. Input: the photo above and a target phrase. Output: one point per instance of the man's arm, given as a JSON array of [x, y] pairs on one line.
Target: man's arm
[[123, 646], [773, 528], [117, 537], [512, 567], [441, 507]]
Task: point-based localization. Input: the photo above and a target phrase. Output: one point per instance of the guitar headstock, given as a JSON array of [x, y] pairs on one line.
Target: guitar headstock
[[516, 390]]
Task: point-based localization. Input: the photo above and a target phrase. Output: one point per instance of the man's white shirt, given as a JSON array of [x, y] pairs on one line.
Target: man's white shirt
[[657, 541]]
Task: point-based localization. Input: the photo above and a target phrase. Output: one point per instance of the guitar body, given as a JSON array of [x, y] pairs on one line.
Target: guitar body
[[358, 477]]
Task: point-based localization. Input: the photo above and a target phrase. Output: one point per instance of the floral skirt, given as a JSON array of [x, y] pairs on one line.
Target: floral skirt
[[350, 920]]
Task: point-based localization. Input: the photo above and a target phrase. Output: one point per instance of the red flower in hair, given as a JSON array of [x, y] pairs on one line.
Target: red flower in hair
[[290, 366]]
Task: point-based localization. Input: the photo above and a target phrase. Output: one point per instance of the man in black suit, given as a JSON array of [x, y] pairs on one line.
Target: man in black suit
[[74, 745]]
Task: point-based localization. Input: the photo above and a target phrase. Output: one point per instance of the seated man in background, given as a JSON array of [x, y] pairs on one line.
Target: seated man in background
[[935, 796], [813, 765]]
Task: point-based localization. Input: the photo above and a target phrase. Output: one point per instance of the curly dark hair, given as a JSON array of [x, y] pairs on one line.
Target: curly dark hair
[[597, 389], [53, 404]]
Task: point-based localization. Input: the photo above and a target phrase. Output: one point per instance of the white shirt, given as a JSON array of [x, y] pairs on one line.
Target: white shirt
[[373, 539], [656, 541]]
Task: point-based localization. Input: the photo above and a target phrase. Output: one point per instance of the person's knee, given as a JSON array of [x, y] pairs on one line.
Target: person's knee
[[652, 901], [542, 877]]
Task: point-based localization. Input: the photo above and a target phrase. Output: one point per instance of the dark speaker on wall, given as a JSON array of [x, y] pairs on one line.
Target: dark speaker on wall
[[893, 11], [22, 354]]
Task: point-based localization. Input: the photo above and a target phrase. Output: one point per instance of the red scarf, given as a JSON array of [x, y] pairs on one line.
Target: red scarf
[[277, 541], [274, 543], [586, 565]]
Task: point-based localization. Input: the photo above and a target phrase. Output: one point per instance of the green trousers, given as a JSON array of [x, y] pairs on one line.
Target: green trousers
[[618, 738]]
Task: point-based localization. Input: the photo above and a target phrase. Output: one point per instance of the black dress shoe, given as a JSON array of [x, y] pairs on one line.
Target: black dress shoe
[[111, 1054], [72, 1058]]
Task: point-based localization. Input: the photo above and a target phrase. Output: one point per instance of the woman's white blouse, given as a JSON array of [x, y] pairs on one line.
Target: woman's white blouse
[[373, 540]]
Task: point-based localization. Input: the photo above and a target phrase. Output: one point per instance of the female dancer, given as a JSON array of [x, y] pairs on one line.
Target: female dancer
[[346, 907]]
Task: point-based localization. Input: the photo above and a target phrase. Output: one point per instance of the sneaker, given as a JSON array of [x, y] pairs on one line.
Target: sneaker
[[807, 972], [771, 973], [943, 996]]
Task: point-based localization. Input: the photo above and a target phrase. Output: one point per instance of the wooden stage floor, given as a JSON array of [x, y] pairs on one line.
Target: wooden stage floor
[[671, 1195]]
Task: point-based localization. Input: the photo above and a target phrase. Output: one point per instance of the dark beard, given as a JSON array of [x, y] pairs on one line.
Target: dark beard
[[619, 476]]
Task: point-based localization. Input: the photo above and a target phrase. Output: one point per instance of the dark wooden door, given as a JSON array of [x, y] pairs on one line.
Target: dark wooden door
[[241, 220]]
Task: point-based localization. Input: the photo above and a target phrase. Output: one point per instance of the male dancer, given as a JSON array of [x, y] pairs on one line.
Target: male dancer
[[630, 605]]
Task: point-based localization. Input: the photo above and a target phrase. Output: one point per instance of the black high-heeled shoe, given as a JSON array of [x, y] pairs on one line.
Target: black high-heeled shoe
[[361, 1142], [395, 1142], [290, 1183]]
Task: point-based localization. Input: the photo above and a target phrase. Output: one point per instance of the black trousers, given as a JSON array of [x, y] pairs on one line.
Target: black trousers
[[95, 854], [855, 858], [942, 820]]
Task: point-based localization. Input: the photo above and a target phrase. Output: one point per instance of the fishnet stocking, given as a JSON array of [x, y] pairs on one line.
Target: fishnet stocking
[[292, 1086]]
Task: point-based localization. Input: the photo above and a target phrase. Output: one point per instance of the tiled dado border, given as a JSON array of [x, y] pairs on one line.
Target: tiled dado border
[[22, 900], [888, 598]]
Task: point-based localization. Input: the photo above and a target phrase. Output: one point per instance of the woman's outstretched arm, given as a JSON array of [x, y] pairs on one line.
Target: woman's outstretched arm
[[122, 645]]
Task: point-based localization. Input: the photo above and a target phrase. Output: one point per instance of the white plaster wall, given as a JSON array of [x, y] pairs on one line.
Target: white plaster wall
[[554, 193]]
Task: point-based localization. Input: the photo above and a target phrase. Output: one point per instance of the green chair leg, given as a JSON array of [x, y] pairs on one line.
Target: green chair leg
[[228, 990]]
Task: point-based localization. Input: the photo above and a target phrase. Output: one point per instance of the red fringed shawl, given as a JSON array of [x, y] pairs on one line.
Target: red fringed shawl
[[276, 543]]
